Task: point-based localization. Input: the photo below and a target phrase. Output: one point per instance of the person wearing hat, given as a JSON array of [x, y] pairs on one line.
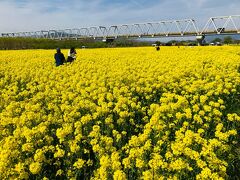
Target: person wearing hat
[[59, 57]]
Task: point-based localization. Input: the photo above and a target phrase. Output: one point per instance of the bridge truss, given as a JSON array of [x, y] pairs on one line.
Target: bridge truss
[[170, 28]]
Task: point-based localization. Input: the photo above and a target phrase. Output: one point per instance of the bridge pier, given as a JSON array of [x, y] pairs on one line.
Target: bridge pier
[[200, 39]]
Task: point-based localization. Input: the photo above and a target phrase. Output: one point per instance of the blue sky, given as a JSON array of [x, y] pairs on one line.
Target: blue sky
[[31, 15]]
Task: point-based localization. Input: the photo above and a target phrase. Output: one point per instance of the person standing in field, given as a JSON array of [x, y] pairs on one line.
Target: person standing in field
[[71, 55], [59, 57]]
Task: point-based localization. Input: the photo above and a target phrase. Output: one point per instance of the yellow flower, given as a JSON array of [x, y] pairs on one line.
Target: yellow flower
[[59, 172], [126, 162], [140, 163], [79, 163], [203, 99], [35, 167], [39, 156], [19, 167], [121, 110], [147, 175], [59, 153], [119, 175], [27, 147]]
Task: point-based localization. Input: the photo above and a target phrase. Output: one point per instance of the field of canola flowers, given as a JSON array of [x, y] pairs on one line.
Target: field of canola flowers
[[130, 113]]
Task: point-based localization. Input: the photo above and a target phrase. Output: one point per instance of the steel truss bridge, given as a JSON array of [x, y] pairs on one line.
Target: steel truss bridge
[[171, 28]]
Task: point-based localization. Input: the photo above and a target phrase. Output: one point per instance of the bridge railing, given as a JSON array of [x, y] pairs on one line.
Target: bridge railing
[[182, 27], [222, 25]]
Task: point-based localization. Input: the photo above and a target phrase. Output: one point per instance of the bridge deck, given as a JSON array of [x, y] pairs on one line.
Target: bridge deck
[[170, 28]]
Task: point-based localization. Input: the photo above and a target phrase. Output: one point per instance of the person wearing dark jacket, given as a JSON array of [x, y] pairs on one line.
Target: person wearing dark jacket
[[59, 57]]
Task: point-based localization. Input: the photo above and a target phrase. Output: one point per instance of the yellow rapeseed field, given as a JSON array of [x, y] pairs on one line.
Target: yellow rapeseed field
[[130, 113]]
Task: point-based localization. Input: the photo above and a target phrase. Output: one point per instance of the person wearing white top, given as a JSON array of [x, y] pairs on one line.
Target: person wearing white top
[[71, 55]]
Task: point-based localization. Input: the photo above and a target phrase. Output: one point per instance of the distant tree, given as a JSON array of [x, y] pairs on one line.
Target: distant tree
[[158, 43], [169, 43], [227, 40], [216, 40], [181, 43], [174, 42], [236, 41]]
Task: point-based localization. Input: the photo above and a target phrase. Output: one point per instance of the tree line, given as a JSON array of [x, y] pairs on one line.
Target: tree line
[[33, 43], [226, 40]]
